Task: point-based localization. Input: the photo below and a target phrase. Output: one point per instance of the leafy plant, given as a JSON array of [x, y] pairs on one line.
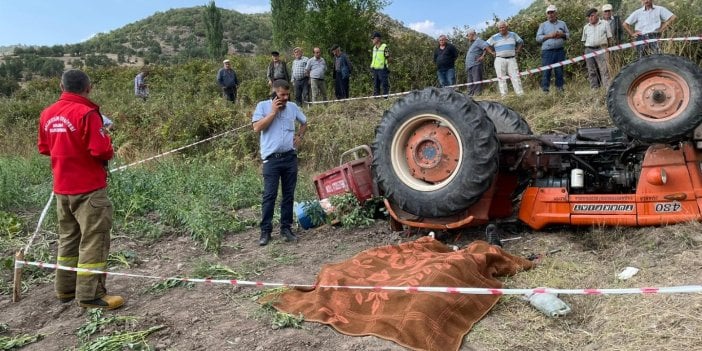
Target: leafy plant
[[315, 212], [133, 340], [97, 322], [286, 320], [16, 342], [125, 258], [164, 285], [350, 213], [216, 271]]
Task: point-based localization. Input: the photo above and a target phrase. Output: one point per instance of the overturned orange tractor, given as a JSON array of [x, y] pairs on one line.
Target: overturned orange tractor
[[444, 161]]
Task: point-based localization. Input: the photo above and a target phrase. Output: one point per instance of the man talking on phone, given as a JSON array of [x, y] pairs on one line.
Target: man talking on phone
[[275, 120]]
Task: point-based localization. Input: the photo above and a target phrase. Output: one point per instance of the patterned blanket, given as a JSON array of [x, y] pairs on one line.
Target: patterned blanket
[[418, 320]]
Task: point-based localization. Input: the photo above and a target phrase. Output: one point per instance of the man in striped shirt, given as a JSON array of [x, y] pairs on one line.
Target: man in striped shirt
[[596, 35], [506, 45], [301, 81]]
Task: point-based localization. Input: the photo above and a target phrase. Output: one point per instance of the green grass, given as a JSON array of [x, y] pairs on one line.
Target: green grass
[[97, 322], [196, 197], [161, 286]]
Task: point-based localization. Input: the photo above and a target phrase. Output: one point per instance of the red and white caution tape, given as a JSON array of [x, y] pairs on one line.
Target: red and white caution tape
[[686, 289], [121, 168], [538, 69], [178, 149]]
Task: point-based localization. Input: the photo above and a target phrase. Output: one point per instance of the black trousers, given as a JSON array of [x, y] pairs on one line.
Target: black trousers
[[302, 90], [229, 93], [341, 87], [380, 78], [278, 169]]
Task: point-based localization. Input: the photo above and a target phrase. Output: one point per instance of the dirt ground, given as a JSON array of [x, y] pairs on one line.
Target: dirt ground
[[211, 317]]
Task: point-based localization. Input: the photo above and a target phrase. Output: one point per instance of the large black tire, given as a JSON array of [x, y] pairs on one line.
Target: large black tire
[[657, 98], [435, 153], [506, 120]]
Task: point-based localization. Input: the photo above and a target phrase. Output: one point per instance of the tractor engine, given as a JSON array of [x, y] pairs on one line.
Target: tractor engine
[[592, 161]]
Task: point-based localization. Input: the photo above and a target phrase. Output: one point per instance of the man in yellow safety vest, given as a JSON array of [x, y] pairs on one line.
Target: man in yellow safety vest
[[379, 65]]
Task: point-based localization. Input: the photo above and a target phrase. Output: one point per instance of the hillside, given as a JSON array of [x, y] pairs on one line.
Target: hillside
[[182, 31]]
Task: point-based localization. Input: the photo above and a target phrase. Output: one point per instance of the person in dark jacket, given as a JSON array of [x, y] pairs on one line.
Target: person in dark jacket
[[342, 73], [445, 56], [277, 70], [228, 81]]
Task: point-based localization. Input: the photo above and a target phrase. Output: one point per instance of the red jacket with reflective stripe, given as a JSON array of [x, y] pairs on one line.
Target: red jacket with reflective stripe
[[70, 131]]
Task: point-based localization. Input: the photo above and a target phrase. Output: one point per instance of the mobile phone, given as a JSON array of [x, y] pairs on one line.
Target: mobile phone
[[274, 95]]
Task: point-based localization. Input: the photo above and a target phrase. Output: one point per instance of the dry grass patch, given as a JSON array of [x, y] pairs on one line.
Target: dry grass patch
[[666, 256]]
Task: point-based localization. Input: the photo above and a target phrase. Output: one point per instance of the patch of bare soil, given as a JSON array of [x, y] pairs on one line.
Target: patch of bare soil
[[218, 317]]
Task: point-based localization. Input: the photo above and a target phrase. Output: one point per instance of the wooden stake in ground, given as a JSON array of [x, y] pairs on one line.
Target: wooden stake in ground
[[17, 280]]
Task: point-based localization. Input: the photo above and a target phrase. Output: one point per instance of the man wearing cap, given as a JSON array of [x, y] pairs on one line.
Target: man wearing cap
[[649, 22], [277, 69], [596, 35], [301, 81], [474, 62], [552, 35], [227, 80], [379, 65], [607, 18], [506, 45], [316, 68], [445, 56], [342, 73]]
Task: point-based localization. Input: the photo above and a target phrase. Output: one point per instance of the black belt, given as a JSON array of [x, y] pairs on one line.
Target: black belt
[[318, 78], [653, 35], [508, 57], [281, 154], [594, 47]]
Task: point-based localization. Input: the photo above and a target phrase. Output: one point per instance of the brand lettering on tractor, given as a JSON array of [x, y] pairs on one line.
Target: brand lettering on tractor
[[668, 207], [603, 208]]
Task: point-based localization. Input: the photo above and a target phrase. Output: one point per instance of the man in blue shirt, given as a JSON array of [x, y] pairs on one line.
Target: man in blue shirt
[[275, 119], [552, 35], [474, 62]]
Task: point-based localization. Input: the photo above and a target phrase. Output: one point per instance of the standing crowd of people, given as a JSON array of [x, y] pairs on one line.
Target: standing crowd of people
[[75, 135], [647, 22]]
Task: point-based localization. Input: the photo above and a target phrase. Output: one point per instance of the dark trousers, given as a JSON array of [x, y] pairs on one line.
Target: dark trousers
[[650, 48], [446, 77], [548, 57], [380, 78], [229, 93], [475, 74], [341, 87], [302, 90], [278, 170]]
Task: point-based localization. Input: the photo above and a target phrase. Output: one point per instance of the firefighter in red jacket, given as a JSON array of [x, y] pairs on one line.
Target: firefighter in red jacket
[[71, 132]]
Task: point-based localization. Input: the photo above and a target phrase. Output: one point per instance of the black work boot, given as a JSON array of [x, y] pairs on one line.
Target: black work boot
[[288, 234], [265, 238]]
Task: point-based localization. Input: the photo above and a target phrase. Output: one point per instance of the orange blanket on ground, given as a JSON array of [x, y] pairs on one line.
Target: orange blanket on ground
[[418, 320]]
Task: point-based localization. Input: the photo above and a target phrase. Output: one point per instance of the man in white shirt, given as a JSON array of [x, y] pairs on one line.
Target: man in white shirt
[[596, 35], [649, 22]]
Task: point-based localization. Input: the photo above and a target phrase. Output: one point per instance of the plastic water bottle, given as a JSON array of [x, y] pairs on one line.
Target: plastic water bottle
[[549, 304]]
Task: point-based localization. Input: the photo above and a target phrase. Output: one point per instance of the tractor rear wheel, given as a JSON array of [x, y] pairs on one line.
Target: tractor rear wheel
[[657, 98], [435, 153], [506, 120]]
